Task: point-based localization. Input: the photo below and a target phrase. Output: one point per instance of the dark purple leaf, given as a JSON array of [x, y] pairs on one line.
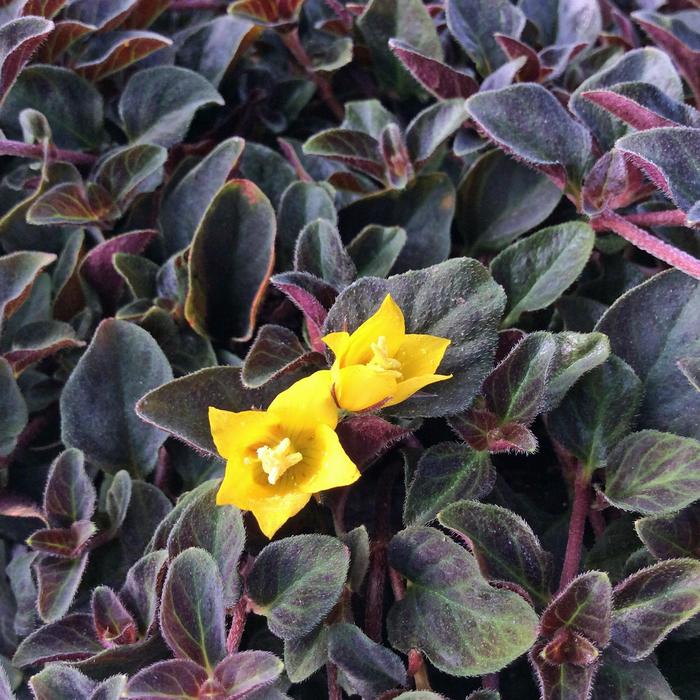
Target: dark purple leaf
[[118, 499], [69, 494], [37, 341], [268, 13], [58, 580], [127, 659], [446, 472], [561, 682], [503, 544], [366, 438], [70, 639], [61, 682], [177, 678], [319, 251], [13, 409], [246, 672], [67, 542], [651, 603], [230, 262], [113, 623], [103, 14], [672, 535], [354, 148], [191, 609], [141, 587], [18, 272], [63, 36], [621, 680], [432, 127], [690, 366], [376, 248], [43, 8], [113, 688], [482, 430], [145, 12], [125, 171], [531, 69], [97, 267], [73, 203], [296, 581]]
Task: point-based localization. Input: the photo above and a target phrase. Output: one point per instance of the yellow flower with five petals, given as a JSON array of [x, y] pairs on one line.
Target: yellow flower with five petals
[[278, 458], [381, 364]]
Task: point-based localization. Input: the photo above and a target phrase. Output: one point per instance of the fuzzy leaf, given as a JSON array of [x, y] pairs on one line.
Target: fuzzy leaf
[[121, 364], [597, 412], [230, 262], [70, 639], [651, 327], [651, 603], [185, 204], [176, 678], [376, 249], [500, 199], [366, 438], [296, 581], [61, 682], [690, 366], [19, 39], [672, 535], [13, 409], [512, 118], [464, 626], [65, 33], [18, 272], [58, 580], [473, 24], [216, 529], [140, 590], [67, 542], [152, 106], [113, 623], [563, 681], [621, 680], [446, 472], [537, 270], [370, 668], [504, 546], [424, 209], [447, 300], [246, 672], [653, 472], [192, 611], [37, 341], [484, 431], [305, 655], [354, 148], [515, 391], [319, 251], [73, 203], [123, 171], [432, 127]]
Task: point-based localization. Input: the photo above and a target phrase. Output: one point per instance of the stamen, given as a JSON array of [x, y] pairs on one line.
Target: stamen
[[381, 360], [275, 461]]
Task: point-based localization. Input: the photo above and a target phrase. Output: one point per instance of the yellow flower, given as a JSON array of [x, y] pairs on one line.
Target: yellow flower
[[278, 458], [382, 364]]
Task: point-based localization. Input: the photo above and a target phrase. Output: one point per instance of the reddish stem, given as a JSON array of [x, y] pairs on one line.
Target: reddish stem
[[334, 692], [577, 526], [648, 243], [672, 217], [343, 13], [294, 46], [238, 619], [36, 150], [597, 521]]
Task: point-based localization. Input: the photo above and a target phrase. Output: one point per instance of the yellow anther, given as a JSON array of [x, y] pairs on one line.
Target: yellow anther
[[275, 461], [382, 361]]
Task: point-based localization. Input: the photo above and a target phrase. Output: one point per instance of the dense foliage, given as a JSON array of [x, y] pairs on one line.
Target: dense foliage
[[195, 193]]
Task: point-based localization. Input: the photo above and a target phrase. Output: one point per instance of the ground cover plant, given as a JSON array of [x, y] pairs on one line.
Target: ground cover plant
[[350, 349]]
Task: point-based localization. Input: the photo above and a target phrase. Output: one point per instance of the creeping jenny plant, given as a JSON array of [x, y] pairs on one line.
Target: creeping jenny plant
[[349, 349]]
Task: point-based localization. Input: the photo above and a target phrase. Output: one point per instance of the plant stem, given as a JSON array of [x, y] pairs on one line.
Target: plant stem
[[294, 46], [490, 681], [597, 521], [238, 619], [672, 217], [31, 150], [418, 670], [334, 692], [577, 526], [648, 243]]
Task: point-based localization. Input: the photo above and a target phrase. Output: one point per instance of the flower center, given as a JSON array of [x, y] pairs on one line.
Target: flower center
[[276, 460], [381, 360]]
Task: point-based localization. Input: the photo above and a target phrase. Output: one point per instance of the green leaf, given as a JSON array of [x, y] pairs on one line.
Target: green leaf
[[191, 609], [651, 327], [504, 546], [268, 169], [376, 249], [217, 530], [515, 390], [500, 199], [597, 413], [424, 209], [407, 20], [72, 106], [450, 300], [301, 203], [296, 581], [464, 626], [320, 252], [653, 472], [184, 204], [537, 270], [127, 168], [122, 363], [513, 118], [651, 603], [672, 535], [13, 409], [473, 23], [152, 106], [230, 262], [446, 473], [369, 668]]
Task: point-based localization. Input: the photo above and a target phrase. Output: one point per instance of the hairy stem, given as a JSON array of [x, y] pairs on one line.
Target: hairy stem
[[334, 692], [577, 526], [32, 150], [293, 43], [238, 620], [672, 217], [645, 241]]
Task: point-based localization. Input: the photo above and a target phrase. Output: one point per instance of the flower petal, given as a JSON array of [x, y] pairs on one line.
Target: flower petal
[[421, 354], [305, 404], [246, 487], [388, 321], [337, 342], [325, 465], [414, 384], [359, 387], [233, 433]]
